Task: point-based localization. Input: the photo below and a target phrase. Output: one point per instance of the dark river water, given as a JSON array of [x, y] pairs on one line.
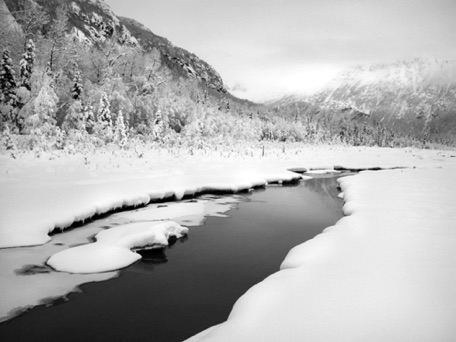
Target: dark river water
[[173, 294]]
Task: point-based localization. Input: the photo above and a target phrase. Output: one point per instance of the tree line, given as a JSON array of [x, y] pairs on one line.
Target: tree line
[[58, 91]]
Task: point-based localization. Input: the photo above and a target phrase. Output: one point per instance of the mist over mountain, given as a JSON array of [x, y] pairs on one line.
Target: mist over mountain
[[416, 96]]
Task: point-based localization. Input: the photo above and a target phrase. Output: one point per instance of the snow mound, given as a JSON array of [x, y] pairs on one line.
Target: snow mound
[[114, 248]]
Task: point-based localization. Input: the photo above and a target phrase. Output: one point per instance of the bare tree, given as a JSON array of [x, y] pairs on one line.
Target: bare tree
[[56, 36], [31, 18]]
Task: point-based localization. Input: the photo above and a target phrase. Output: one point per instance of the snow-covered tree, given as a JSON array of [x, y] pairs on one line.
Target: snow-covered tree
[[59, 138], [120, 133], [75, 117], [26, 64], [104, 111], [45, 106], [125, 38], [7, 80], [7, 140], [159, 126], [77, 89], [103, 126], [89, 119]]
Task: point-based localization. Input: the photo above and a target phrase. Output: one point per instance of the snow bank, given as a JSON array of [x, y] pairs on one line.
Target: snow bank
[[33, 207], [40, 194], [386, 272], [113, 248], [27, 281]]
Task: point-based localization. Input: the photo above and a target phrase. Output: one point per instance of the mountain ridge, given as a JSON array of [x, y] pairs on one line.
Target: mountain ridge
[[418, 94]]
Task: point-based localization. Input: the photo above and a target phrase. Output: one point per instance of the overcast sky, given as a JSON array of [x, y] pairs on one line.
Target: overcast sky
[[271, 47]]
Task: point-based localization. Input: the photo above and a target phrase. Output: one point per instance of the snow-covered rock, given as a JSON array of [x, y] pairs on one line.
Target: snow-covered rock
[[114, 248]]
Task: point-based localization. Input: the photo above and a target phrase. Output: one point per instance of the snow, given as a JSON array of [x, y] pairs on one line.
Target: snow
[[52, 202], [75, 8], [113, 248], [386, 271], [25, 280], [187, 212]]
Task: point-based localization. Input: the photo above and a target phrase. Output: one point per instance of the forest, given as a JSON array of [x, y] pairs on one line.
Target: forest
[[58, 92]]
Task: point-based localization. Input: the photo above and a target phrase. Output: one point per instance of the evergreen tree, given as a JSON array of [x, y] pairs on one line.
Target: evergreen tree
[[120, 134], [26, 64], [103, 126], [76, 90], [104, 112], [7, 80]]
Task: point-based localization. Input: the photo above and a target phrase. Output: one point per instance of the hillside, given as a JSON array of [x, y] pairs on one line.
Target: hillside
[[93, 22], [86, 78]]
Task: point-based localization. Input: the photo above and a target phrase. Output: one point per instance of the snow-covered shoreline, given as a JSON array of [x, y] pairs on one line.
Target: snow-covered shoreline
[[57, 192], [54, 193]]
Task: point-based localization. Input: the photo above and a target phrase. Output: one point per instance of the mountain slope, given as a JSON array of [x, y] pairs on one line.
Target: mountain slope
[[417, 96], [175, 57], [93, 22]]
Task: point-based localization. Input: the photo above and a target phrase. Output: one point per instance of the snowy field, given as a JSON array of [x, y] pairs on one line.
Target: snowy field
[[387, 271]]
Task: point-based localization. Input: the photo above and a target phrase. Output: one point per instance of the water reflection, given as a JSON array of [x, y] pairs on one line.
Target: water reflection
[[327, 190], [153, 256]]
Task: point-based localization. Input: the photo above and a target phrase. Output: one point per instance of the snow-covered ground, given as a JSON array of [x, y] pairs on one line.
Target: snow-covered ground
[[387, 271]]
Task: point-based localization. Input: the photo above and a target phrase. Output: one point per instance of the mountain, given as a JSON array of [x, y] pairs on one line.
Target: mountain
[[175, 57], [417, 96], [93, 22]]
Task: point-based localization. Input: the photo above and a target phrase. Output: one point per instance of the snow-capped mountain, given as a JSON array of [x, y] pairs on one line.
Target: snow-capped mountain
[[417, 95], [93, 21]]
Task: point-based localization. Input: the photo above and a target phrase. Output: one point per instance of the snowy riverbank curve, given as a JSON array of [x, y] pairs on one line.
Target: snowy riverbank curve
[[64, 189], [385, 272]]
